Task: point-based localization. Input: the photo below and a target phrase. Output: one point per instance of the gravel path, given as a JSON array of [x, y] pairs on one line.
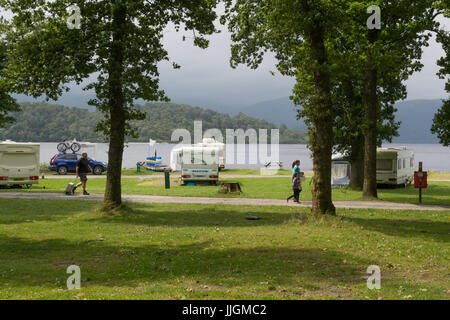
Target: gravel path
[[227, 201], [224, 176]]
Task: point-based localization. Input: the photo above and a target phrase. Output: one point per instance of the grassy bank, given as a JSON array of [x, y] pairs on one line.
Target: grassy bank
[[207, 252], [270, 188]]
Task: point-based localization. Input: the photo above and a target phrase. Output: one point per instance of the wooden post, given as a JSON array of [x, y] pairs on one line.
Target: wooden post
[[420, 187]]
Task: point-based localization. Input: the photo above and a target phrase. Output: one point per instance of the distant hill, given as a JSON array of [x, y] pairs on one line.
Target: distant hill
[[43, 122], [416, 117], [279, 111]]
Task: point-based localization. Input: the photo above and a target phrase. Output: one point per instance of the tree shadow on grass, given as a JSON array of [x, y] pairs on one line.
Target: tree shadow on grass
[[425, 229], [43, 263], [14, 211], [176, 215]]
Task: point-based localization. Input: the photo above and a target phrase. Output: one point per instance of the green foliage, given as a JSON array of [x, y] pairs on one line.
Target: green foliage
[[7, 103], [45, 55], [441, 122], [45, 122]]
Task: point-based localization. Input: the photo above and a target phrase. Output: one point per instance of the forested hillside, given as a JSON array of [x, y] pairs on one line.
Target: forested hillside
[[43, 122]]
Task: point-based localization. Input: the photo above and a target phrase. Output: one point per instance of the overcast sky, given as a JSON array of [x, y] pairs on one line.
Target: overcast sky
[[206, 74], [206, 77]]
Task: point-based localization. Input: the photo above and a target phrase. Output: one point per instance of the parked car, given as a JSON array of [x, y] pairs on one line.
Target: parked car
[[67, 162]]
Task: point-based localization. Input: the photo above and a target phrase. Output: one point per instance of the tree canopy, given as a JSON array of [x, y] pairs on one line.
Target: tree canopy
[[116, 49]]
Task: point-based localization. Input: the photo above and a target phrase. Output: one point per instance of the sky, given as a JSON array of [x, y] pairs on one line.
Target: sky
[[206, 78], [206, 74]]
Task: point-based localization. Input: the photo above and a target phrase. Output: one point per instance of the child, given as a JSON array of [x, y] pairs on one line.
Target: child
[[296, 187]]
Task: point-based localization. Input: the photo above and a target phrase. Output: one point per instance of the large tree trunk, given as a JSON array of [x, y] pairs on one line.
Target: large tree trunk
[[322, 132], [113, 192], [371, 116], [357, 165]]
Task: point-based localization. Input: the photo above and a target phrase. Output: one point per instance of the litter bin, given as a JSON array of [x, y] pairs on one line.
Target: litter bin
[[167, 178], [138, 167]]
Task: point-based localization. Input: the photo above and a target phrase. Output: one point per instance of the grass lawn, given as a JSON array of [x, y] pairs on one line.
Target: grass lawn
[[132, 172], [438, 192], [212, 252]]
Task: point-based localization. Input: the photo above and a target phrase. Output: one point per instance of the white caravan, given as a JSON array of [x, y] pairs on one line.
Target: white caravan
[[175, 154], [395, 166], [200, 164], [19, 163]]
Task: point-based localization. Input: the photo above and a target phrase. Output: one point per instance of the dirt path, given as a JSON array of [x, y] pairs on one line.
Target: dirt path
[[227, 201]]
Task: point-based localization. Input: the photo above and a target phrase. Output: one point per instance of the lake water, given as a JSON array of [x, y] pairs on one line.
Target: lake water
[[434, 156]]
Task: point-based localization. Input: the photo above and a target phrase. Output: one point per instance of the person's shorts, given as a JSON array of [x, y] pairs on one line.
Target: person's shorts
[[83, 176]]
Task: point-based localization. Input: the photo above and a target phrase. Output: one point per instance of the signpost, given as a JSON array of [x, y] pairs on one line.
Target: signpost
[[420, 180]]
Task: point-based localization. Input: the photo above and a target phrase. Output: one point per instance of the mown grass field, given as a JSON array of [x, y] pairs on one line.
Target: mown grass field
[[438, 192], [212, 252]]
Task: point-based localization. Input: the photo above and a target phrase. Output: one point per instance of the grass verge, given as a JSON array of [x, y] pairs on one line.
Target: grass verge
[[212, 252]]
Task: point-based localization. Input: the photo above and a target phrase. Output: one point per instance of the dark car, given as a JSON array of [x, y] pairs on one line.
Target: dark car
[[67, 162]]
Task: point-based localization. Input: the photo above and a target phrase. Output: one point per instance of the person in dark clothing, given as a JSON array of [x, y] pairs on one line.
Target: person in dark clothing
[[296, 187], [82, 170]]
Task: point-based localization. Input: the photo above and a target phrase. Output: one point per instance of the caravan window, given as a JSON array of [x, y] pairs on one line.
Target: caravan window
[[404, 163], [399, 164], [19, 160], [411, 162], [384, 165]]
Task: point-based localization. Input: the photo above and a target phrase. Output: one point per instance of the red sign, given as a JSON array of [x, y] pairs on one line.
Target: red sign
[[420, 179]]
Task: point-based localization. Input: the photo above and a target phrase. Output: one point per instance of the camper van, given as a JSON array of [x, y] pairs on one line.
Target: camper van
[[19, 163], [175, 154], [395, 166], [200, 164]]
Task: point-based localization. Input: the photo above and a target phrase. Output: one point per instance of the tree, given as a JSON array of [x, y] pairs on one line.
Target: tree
[[441, 121], [7, 103], [118, 42], [300, 34], [388, 56]]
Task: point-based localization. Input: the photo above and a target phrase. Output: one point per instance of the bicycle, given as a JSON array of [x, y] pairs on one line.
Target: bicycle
[[66, 145]]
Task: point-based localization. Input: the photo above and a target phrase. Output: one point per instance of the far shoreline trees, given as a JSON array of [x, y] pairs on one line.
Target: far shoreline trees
[[44, 122]]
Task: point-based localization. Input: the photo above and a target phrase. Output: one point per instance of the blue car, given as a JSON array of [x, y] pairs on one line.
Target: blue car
[[67, 162]]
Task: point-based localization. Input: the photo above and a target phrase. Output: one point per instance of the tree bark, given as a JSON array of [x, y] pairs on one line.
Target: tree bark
[[371, 116], [113, 192], [357, 165], [322, 132]]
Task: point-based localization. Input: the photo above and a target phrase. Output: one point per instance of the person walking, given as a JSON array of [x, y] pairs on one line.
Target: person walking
[[296, 187], [82, 169], [296, 168]]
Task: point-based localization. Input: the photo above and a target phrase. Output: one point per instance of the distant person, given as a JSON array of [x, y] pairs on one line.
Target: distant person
[[296, 187], [296, 168], [82, 170]]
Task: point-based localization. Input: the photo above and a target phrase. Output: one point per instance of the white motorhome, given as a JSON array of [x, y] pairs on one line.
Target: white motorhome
[[395, 166], [19, 163], [175, 154], [200, 164]]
